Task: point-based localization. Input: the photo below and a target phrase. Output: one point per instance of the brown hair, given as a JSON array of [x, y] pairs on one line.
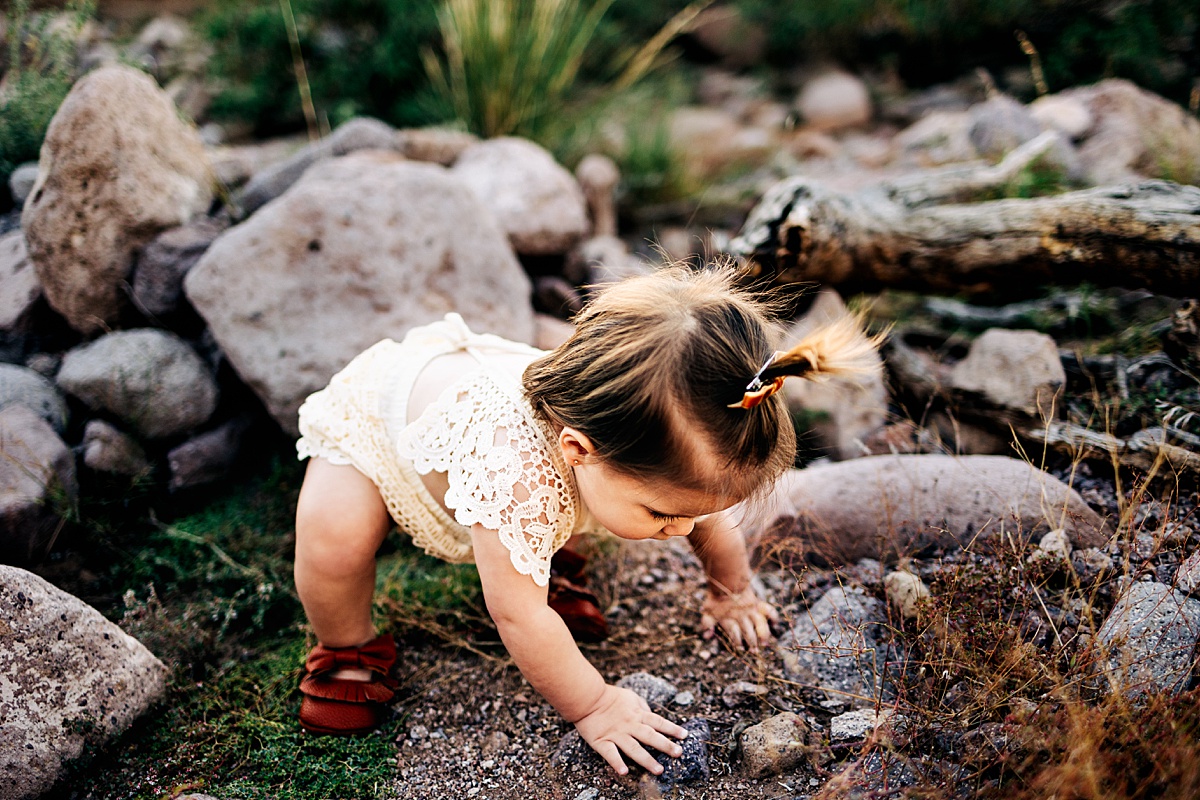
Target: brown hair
[[650, 373]]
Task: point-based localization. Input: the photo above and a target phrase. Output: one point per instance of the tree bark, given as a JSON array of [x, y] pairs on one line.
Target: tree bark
[[919, 234]]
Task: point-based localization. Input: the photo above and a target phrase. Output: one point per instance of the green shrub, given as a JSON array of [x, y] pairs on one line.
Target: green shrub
[[1152, 42], [41, 59], [361, 58]]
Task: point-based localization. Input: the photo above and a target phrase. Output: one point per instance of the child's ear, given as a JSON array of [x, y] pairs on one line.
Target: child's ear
[[576, 447]]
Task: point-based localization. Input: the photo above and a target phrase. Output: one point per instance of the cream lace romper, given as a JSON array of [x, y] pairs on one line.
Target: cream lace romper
[[503, 464]]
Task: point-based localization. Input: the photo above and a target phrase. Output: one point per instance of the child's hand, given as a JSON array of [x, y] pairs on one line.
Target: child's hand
[[621, 722], [743, 617]]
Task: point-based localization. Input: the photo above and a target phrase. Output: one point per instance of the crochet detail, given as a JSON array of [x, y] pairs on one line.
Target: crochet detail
[[503, 472]]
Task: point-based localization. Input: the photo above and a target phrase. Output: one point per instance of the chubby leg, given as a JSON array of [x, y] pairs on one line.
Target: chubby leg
[[341, 521]]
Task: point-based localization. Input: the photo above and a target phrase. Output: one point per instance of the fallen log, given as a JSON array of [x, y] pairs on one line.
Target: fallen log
[[923, 234]]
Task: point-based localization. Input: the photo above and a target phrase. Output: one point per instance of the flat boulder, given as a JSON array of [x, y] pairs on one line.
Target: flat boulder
[[535, 199], [148, 378], [68, 678], [889, 505], [362, 248], [1148, 642], [118, 165], [37, 486]]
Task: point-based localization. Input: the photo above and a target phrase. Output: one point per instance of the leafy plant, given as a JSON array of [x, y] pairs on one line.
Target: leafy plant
[[41, 69], [360, 58]]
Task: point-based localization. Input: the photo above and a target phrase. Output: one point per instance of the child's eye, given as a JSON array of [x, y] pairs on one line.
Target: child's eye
[[661, 517]]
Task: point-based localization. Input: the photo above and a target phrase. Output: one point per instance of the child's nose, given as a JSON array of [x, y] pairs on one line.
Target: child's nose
[[680, 527]]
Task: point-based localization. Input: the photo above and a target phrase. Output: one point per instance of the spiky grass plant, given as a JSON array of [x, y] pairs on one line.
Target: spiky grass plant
[[510, 66]]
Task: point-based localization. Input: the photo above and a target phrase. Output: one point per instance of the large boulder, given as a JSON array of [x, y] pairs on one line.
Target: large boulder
[[68, 678], [1136, 134], [149, 379], [24, 387], [536, 201], [19, 285], [890, 505], [362, 248], [37, 487], [118, 165]]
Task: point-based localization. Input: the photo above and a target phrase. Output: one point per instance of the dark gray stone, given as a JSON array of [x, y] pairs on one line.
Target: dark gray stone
[[162, 265], [207, 457], [37, 487], [654, 690], [692, 766], [25, 387]]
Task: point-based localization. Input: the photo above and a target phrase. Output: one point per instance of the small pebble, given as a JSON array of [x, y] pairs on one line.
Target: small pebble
[[906, 591], [1056, 544], [588, 794], [418, 732], [684, 699]]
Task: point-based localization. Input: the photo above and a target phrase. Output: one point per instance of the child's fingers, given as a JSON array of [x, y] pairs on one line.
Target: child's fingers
[[661, 743], [665, 725], [633, 749], [750, 635], [769, 611], [733, 631], [763, 629], [610, 753], [708, 625]]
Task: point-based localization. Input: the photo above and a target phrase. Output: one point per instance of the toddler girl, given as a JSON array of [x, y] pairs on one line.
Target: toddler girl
[[652, 421]]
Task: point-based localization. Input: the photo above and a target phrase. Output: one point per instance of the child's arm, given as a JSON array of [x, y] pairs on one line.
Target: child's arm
[[732, 602], [610, 719]]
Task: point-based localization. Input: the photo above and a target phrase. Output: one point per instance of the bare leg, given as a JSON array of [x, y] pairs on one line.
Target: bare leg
[[341, 521]]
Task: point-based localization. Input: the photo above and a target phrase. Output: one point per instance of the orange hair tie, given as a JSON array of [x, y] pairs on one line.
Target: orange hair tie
[[758, 389]]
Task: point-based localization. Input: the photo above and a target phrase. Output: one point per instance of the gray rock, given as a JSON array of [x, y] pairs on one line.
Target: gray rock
[[387, 244], [1000, 124], [149, 379], [536, 201], [19, 284], [900, 504], [1056, 544], [162, 264], [739, 692], [835, 646], [37, 487], [207, 457], [1148, 642], [361, 133], [842, 411], [878, 775], [692, 766], [118, 166], [857, 725], [833, 101], [25, 387], [21, 181], [598, 177], [775, 745], [68, 678], [107, 449], [651, 688], [1020, 370]]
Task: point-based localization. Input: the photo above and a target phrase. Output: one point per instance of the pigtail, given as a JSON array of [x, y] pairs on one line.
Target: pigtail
[[840, 347]]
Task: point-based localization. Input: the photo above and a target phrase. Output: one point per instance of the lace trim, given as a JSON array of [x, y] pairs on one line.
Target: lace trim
[[503, 473]]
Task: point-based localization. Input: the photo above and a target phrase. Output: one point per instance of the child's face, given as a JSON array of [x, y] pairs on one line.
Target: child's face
[[640, 509]]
